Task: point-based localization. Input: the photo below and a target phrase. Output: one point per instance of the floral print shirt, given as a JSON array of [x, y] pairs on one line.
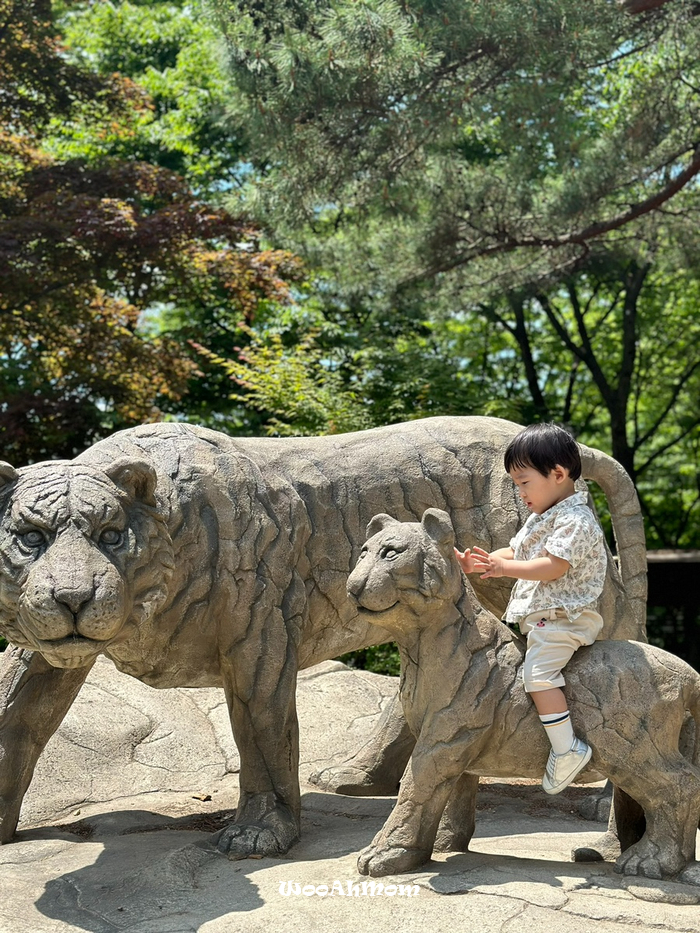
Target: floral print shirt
[[571, 531]]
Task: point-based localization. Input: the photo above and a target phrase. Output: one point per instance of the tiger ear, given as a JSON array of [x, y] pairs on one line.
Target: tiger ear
[[8, 476], [137, 477], [438, 525], [379, 523]]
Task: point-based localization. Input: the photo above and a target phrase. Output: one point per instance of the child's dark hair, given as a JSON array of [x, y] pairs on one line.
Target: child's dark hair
[[541, 447]]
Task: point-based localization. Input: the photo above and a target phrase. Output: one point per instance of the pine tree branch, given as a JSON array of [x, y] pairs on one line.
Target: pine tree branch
[[638, 210], [634, 7], [580, 237]]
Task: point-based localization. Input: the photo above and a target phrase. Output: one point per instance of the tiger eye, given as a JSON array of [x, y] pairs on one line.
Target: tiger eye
[[33, 538], [111, 536]]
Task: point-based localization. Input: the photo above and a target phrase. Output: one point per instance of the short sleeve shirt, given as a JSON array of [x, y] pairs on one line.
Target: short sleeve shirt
[[571, 531]]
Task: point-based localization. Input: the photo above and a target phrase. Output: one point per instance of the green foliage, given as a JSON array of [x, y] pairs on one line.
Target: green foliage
[[328, 363], [38, 81], [169, 55], [627, 337], [496, 136], [513, 188], [302, 396], [91, 245], [496, 203], [380, 659]]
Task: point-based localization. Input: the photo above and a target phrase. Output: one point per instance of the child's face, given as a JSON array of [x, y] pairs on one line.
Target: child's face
[[539, 492]]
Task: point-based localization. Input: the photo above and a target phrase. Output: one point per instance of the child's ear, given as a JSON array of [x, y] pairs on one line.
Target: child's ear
[[560, 473]]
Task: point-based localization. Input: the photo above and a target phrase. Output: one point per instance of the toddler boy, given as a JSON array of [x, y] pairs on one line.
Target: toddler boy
[[558, 559]]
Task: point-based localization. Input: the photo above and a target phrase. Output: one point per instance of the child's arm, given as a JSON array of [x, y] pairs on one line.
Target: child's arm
[[468, 561], [499, 564]]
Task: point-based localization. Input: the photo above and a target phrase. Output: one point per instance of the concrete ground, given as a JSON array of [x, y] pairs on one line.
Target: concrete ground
[[116, 835]]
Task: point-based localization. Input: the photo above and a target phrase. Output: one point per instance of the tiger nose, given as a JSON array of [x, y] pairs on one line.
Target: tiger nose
[[354, 586], [73, 599]]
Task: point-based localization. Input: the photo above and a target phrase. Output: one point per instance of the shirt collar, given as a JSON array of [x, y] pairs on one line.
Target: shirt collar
[[577, 498]]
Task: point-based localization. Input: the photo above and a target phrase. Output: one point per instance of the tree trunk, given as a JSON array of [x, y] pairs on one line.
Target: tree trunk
[[641, 6], [519, 331]]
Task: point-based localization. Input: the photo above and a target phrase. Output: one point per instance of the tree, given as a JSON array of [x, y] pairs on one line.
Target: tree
[[533, 165], [85, 251], [613, 352], [91, 245], [328, 364], [170, 52], [38, 81], [510, 138]]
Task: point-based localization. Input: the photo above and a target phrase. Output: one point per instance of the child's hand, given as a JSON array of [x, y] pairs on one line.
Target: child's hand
[[488, 565], [465, 560]]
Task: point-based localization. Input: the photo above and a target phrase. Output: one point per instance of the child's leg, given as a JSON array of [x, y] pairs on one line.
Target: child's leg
[[554, 716], [549, 701], [549, 648]]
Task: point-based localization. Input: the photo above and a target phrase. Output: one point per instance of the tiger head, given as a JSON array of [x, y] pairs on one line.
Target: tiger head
[[406, 572], [85, 557]]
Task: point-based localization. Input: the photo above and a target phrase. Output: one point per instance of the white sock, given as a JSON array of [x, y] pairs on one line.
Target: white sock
[[559, 731]]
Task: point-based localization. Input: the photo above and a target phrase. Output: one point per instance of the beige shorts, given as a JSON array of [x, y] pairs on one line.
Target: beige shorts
[[551, 641]]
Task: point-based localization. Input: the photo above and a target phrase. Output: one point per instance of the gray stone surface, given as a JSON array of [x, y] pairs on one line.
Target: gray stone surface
[[131, 848], [123, 738]]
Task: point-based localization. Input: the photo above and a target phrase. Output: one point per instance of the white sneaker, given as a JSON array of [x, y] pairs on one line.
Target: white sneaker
[[562, 769]]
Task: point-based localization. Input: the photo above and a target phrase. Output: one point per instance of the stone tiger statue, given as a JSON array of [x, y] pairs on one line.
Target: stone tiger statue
[[194, 559], [467, 707]]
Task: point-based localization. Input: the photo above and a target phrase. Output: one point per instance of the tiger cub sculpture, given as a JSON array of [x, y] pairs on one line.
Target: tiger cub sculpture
[[465, 703]]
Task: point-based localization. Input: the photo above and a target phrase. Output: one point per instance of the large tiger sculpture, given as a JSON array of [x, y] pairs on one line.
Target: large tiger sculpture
[[194, 559], [466, 704]]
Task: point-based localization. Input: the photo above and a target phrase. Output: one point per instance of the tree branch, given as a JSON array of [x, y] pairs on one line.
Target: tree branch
[[635, 7], [649, 517], [569, 397], [580, 237], [491, 312], [633, 287], [662, 450], [583, 353], [669, 407], [638, 210], [520, 333], [685, 518]]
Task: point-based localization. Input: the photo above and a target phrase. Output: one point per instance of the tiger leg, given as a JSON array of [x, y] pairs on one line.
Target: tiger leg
[[34, 698]]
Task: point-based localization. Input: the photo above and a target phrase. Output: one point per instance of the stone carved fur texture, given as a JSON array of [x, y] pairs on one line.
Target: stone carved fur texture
[[466, 705], [193, 559]]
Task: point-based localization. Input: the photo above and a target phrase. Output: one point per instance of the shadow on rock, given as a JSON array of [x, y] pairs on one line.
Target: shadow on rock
[[159, 874], [150, 879]]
